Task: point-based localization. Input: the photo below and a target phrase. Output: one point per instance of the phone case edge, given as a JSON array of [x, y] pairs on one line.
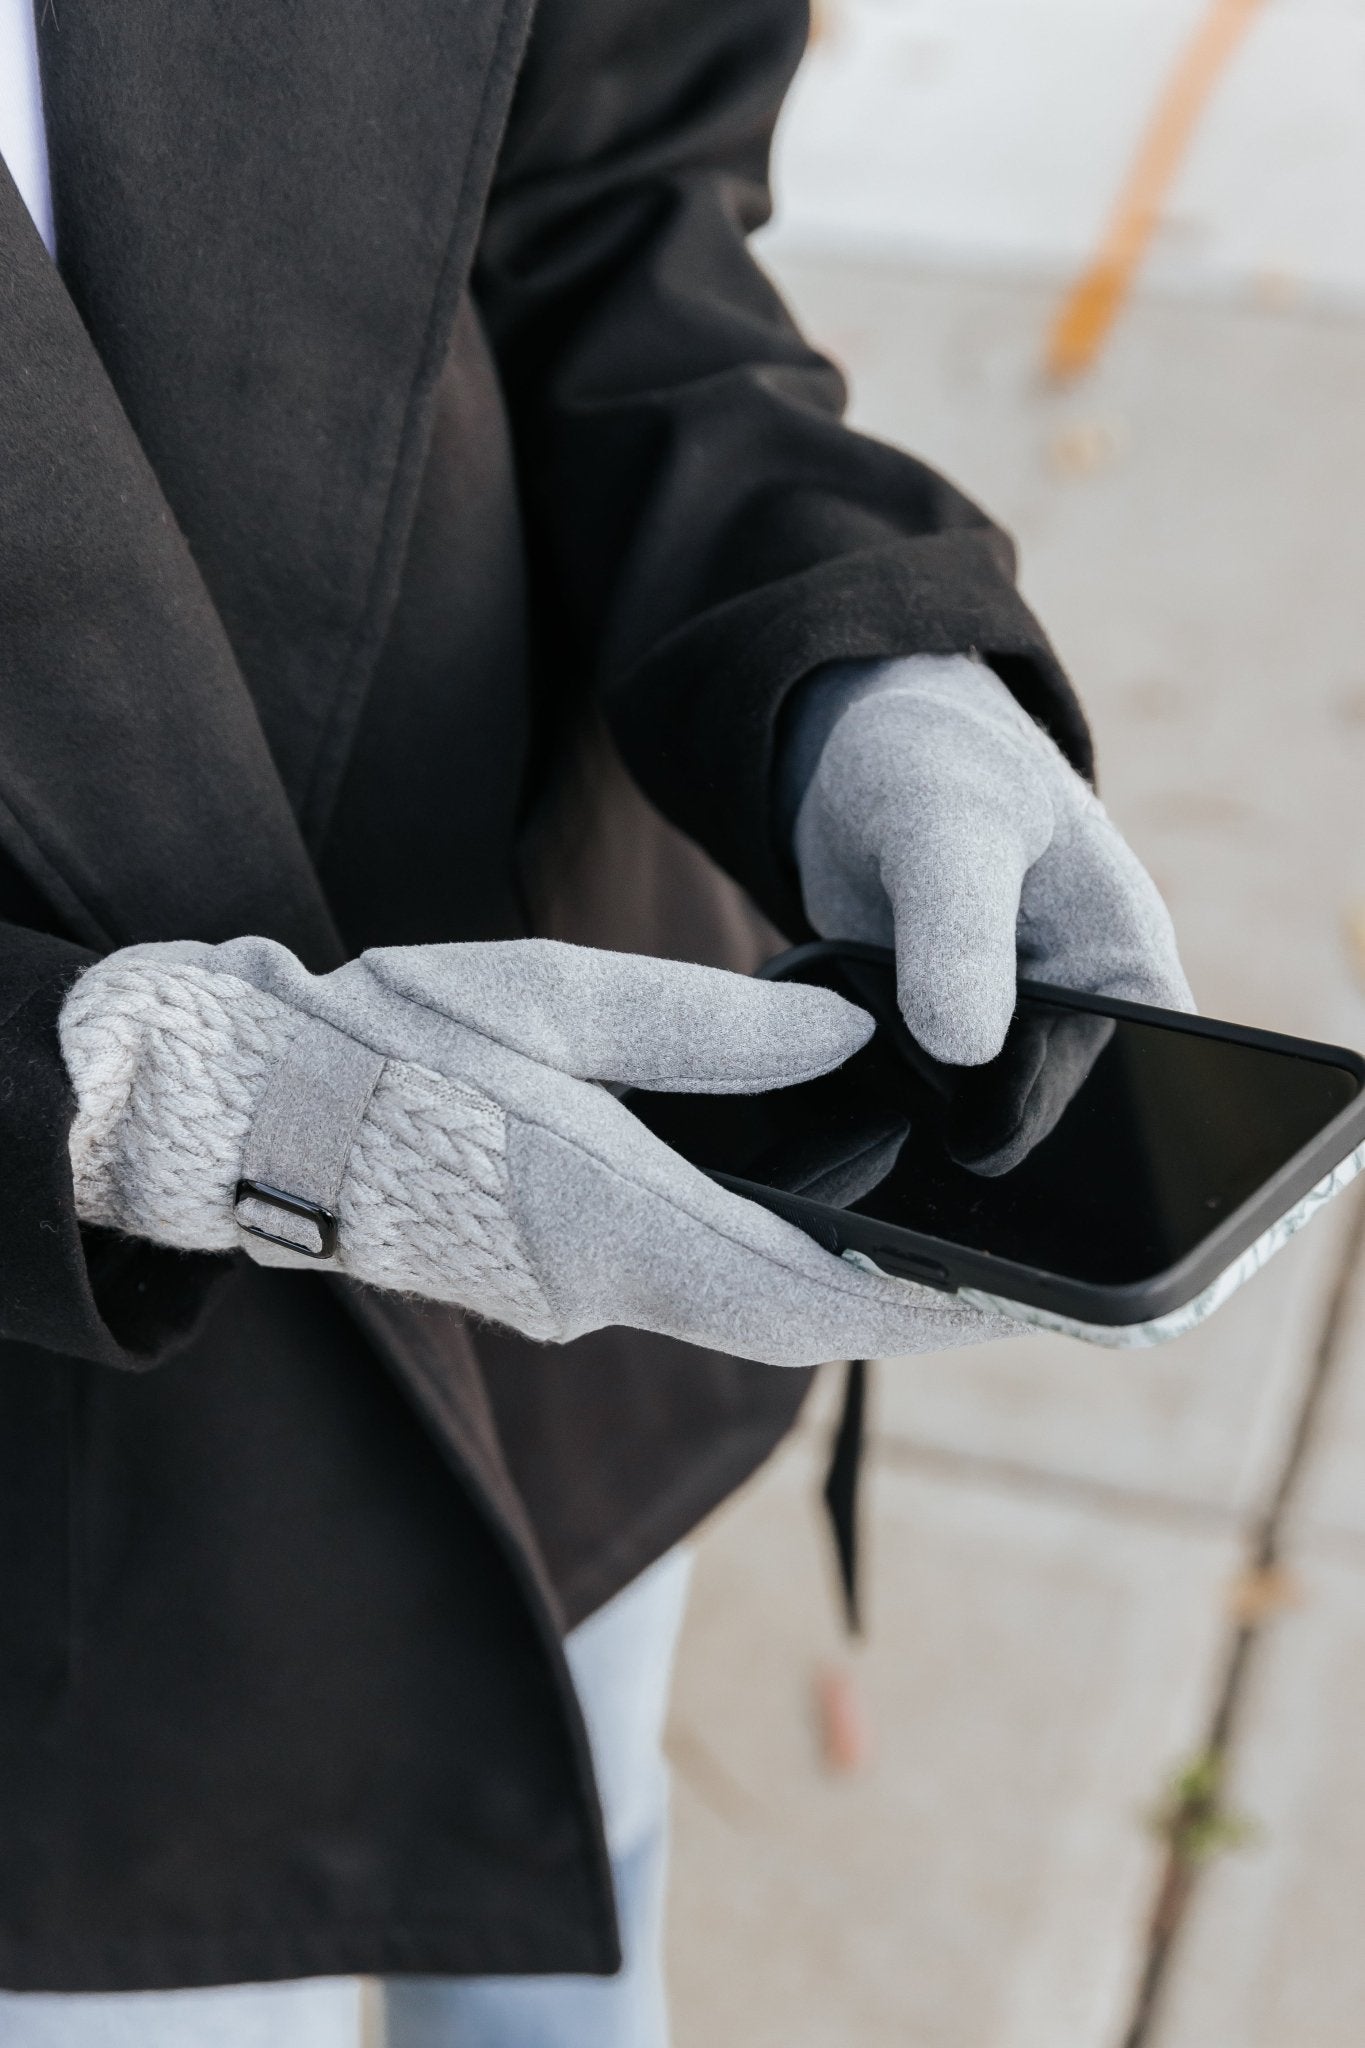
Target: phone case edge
[[1177, 1322]]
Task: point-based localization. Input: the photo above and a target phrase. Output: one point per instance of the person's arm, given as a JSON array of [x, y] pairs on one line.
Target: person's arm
[[708, 528], [429, 1118]]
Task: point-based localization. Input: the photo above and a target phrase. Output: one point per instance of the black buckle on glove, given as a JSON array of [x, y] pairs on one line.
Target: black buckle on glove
[[322, 1220]]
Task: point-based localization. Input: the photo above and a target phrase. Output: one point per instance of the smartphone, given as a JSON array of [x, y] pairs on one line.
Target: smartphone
[[1116, 1173]]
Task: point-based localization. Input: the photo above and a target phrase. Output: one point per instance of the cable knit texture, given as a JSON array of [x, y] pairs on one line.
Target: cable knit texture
[[168, 1067], [169, 1064]]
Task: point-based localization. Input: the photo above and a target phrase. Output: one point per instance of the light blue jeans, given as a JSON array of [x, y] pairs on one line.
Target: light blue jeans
[[622, 1660]]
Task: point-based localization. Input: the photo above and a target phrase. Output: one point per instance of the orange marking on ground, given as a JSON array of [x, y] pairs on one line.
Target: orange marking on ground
[[1095, 300]]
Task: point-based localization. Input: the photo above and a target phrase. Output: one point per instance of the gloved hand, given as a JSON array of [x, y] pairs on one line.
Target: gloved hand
[[442, 1104], [933, 815]]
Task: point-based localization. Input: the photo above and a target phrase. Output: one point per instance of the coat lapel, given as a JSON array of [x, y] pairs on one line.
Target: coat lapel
[[212, 428], [265, 215], [136, 787]]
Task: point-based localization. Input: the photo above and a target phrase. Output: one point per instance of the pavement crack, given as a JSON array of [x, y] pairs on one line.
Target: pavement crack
[[1180, 1873]]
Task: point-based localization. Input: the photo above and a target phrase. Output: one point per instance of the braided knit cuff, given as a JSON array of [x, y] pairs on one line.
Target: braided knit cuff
[[172, 1065], [168, 1064]]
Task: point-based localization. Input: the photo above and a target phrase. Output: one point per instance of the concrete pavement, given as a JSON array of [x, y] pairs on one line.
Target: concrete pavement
[[1058, 1534]]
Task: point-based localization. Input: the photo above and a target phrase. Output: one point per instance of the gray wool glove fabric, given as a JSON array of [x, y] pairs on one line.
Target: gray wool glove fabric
[[931, 814], [444, 1104]]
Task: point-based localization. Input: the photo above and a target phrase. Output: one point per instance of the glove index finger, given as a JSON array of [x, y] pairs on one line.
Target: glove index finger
[[955, 907], [627, 1017], [700, 1030]]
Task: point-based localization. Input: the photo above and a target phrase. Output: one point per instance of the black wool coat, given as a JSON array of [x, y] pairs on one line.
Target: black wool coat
[[415, 507]]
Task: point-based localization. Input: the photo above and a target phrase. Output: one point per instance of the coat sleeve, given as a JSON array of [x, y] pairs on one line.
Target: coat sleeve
[[81, 1292], [705, 529]]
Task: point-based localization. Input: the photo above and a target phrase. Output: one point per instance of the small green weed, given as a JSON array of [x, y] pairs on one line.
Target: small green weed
[[1192, 1818]]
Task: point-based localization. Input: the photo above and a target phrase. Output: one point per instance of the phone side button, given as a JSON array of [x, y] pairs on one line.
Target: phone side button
[[911, 1266]]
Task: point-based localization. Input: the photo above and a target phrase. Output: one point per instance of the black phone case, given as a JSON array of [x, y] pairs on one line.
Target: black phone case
[[937, 1263]]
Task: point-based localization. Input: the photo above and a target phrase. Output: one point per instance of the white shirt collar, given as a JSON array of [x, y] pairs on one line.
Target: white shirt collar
[[23, 139]]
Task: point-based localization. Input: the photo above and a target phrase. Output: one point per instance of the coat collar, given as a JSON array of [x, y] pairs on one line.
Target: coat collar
[[264, 219]]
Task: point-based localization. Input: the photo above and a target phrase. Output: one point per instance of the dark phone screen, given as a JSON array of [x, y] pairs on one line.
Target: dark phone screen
[[1099, 1149]]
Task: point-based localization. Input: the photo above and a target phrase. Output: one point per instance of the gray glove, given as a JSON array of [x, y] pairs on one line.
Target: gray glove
[[441, 1104], [933, 815]]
